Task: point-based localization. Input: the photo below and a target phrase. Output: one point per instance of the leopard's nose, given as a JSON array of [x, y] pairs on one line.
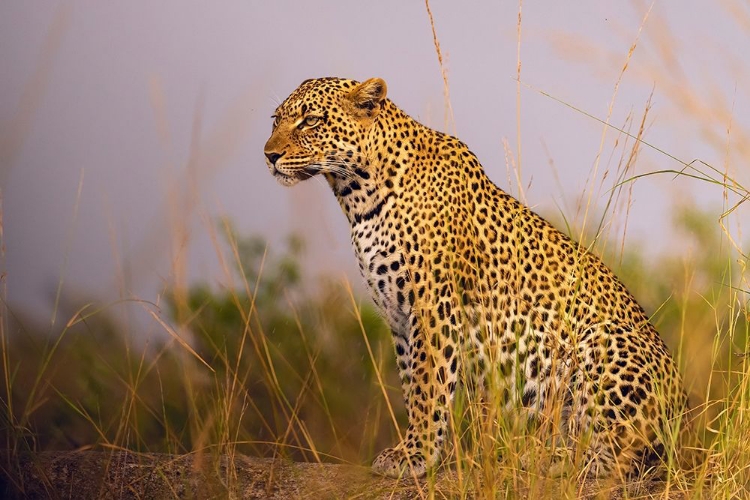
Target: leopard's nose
[[273, 157]]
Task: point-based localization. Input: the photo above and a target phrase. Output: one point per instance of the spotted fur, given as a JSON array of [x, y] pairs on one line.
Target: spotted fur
[[475, 286]]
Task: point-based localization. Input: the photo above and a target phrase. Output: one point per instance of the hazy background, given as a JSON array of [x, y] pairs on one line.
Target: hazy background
[[157, 113]]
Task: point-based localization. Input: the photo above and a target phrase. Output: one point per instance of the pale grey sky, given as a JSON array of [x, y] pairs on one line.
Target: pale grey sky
[[159, 111]]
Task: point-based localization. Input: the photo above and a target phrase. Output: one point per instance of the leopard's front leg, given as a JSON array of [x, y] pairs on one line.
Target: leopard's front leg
[[428, 369]]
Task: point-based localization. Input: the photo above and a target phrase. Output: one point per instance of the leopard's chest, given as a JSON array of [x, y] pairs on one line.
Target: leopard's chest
[[381, 262]]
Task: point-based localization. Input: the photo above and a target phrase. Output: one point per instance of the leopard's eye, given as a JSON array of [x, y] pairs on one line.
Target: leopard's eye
[[276, 120], [309, 121]]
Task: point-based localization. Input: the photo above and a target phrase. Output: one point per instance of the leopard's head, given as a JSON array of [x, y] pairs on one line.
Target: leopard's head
[[322, 127]]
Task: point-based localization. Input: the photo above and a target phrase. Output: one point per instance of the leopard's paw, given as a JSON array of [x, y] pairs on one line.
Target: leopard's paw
[[397, 462]]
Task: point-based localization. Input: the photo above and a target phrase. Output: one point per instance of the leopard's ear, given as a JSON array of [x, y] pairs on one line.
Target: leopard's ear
[[369, 96]]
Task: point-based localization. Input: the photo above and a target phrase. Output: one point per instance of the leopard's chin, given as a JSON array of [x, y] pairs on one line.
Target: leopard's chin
[[286, 180]]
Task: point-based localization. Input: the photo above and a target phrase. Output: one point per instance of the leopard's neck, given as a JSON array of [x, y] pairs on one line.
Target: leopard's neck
[[373, 173]]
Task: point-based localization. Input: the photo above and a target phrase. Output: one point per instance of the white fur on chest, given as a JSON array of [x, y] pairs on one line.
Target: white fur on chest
[[380, 260]]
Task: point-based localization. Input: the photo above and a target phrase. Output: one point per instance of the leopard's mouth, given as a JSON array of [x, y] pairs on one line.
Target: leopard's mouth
[[290, 178]]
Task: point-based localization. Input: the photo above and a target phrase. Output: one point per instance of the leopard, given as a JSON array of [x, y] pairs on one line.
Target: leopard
[[478, 290]]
